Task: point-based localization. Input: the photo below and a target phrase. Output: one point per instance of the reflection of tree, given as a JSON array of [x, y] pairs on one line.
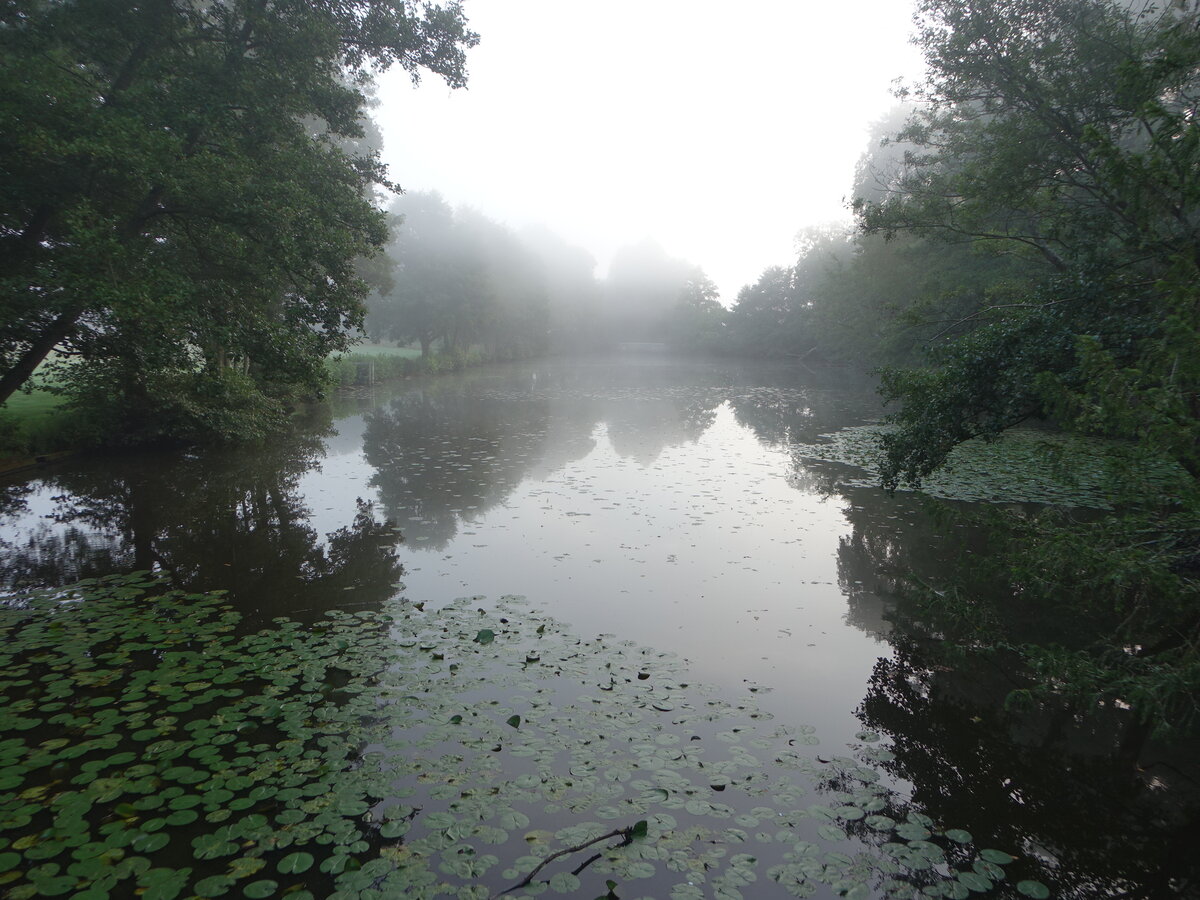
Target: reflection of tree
[[781, 412], [643, 428], [450, 451], [1039, 781], [1111, 835], [894, 542], [217, 520], [647, 403], [14, 498], [446, 452]]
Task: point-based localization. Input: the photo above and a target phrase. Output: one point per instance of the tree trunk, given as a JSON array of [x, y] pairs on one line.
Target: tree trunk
[[55, 332]]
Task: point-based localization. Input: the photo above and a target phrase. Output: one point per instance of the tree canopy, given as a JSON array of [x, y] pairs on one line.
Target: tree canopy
[[181, 200], [461, 280], [1063, 134]]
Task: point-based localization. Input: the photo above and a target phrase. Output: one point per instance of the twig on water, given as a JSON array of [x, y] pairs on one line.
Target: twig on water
[[625, 834], [587, 862]]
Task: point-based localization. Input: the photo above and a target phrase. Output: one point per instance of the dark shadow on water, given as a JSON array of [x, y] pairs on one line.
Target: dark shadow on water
[[214, 520]]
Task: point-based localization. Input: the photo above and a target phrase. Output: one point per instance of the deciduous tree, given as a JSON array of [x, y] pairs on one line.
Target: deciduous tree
[[179, 208], [1067, 130]]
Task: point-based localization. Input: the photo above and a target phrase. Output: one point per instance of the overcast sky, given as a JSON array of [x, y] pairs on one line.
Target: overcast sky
[[719, 129]]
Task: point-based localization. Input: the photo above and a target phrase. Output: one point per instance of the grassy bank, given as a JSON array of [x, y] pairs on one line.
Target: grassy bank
[[371, 363], [39, 423], [33, 424]]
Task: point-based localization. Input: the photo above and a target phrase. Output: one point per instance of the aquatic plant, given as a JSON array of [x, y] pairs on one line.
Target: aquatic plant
[[148, 745], [1024, 465]]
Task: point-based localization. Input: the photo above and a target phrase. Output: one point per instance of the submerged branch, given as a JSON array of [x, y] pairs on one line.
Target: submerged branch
[[625, 834]]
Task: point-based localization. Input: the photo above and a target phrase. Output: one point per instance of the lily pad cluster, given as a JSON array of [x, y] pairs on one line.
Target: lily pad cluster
[[1023, 465], [149, 747]]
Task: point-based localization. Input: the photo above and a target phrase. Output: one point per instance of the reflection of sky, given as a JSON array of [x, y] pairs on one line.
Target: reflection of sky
[[700, 547], [632, 500]]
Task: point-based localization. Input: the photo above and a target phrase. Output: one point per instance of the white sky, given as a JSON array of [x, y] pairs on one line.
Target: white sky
[[719, 129]]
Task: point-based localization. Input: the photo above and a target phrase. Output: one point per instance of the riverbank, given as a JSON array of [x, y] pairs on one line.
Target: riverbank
[[38, 428]]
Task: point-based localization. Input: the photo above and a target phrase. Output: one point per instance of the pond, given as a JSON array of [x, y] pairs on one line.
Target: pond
[[613, 616]]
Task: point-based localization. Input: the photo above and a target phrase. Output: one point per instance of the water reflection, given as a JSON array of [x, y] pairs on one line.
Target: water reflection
[[232, 521], [1102, 830], [663, 502], [1048, 782], [448, 452]]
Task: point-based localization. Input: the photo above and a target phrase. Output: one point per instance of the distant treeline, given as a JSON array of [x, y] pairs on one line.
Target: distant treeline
[[452, 281]]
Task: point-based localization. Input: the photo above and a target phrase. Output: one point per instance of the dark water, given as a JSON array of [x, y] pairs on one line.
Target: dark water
[[656, 501]]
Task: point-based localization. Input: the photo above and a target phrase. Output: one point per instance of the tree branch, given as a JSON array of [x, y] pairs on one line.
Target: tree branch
[[625, 834]]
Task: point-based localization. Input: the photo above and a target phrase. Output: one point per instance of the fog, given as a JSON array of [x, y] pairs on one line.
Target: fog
[[623, 173], [715, 132]]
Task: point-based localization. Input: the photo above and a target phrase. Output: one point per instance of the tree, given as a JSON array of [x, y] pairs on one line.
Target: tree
[[510, 318], [459, 277], [697, 320], [425, 271], [179, 212], [572, 291], [1066, 132], [642, 286], [763, 312]]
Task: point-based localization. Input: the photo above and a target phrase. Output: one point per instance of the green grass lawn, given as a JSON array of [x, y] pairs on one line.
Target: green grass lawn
[[383, 350], [30, 406], [30, 423]]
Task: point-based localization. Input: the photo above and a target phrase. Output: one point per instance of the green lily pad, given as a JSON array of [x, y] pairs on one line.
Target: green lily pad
[[295, 863], [999, 857]]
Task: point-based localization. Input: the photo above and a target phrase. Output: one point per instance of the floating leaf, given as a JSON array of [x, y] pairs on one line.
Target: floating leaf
[[289, 770], [975, 882], [213, 886], [999, 857], [295, 863], [564, 883]]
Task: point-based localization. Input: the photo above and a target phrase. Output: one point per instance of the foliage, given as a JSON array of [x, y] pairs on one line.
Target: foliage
[[572, 291], [459, 280], [1020, 148], [182, 203], [1064, 133], [376, 751], [765, 313], [697, 321], [642, 291], [868, 299]]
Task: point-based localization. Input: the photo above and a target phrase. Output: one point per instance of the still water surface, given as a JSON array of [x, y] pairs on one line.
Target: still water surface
[[656, 501]]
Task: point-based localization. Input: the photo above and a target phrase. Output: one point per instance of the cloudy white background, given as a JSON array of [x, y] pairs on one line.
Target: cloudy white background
[[719, 129]]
